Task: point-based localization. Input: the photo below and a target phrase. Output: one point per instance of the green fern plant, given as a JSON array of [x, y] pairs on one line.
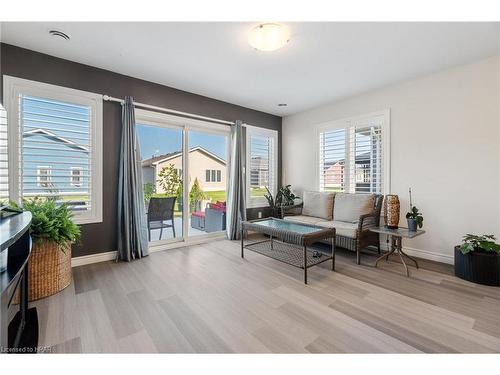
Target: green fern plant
[[51, 222]]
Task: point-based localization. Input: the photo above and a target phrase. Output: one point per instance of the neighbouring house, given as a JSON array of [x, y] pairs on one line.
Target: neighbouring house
[[364, 177], [54, 164], [208, 168]]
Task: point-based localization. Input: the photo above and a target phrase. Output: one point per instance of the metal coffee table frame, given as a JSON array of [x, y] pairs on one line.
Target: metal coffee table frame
[[396, 236], [288, 246]]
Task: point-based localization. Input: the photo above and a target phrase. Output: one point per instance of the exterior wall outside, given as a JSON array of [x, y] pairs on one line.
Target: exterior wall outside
[[148, 175], [59, 179], [444, 145], [199, 162]]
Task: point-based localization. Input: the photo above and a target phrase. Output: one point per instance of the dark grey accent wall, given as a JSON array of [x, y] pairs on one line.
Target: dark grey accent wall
[[22, 63]]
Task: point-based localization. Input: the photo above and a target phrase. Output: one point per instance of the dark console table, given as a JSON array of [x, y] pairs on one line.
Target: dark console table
[[20, 334]]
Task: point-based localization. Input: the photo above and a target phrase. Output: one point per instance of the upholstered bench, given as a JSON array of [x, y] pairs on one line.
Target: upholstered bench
[[198, 220]]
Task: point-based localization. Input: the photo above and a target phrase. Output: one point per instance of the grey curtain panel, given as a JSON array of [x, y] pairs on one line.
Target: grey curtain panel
[[132, 230], [237, 186]]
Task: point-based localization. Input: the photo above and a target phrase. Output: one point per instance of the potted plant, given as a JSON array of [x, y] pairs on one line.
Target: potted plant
[[52, 231], [478, 259], [414, 217], [196, 195], [284, 197]]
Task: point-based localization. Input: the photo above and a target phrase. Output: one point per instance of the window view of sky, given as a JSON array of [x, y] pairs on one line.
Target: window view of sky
[[156, 140]]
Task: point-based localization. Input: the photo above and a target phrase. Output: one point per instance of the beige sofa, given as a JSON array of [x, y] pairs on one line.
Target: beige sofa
[[350, 214]]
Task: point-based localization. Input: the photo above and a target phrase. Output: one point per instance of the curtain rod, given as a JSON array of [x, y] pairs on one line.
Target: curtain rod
[[167, 110]]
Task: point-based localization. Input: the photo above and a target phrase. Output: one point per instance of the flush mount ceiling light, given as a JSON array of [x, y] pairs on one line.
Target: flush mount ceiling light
[[269, 37], [59, 34]]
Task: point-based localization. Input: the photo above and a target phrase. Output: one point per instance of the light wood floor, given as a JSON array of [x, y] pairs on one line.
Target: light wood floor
[[205, 298]]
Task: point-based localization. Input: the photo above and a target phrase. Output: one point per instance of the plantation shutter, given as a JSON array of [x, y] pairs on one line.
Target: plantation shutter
[[4, 167], [55, 136], [365, 173], [332, 160], [351, 157], [261, 167]]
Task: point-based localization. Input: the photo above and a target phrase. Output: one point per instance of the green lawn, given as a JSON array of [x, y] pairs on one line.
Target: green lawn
[[216, 196]]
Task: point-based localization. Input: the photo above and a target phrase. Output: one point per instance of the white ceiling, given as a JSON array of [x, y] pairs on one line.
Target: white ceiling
[[321, 63]]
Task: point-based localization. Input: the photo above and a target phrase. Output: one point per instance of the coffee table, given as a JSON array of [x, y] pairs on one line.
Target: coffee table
[[288, 242], [397, 236]]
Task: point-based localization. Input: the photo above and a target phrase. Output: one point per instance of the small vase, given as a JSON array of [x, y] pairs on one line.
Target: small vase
[[412, 225], [391, 211]]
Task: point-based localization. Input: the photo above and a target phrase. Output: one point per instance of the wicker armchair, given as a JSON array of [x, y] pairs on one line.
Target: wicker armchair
[[363, 238]]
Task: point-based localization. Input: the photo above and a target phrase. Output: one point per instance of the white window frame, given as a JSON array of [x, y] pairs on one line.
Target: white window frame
[[13, 87], [80, 176], [39, 175], [256, 131], [344, 123]]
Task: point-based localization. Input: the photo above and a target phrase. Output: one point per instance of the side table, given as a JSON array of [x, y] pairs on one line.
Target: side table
[[396, 236]]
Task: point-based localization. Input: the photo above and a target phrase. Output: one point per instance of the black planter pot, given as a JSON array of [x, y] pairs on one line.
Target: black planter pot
[[478, 267]]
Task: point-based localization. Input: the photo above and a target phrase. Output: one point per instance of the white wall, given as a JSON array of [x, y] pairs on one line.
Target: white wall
[[445, 137]]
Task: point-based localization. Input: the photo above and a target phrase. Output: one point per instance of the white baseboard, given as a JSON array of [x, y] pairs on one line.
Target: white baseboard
[[93, 258], [111, 255], [424, 254]]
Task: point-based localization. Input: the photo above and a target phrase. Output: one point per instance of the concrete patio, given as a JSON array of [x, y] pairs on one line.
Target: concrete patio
[[168, 232]]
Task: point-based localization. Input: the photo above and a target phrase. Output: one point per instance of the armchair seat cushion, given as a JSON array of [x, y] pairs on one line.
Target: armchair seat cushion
[[349, 207], [342, 228], [303, 219]]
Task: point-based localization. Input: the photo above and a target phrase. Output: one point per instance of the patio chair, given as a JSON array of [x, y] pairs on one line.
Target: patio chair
[[161, 210]]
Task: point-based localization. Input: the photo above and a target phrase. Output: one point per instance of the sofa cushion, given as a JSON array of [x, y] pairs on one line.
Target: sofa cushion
[[310, 220], [342, 228], [318, 204], [349, 207]]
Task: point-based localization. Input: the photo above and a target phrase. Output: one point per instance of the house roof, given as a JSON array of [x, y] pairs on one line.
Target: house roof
[[56, 138], [162, 158], [360, 158]]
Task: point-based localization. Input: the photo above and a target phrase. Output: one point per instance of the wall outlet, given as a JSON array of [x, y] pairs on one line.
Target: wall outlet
[[259, 214]]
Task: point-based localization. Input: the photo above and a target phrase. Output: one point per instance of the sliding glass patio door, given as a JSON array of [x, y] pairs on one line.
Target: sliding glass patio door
[[184, 166]]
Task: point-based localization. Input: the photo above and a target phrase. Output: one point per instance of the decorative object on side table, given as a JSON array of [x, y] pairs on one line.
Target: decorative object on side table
[[396, 237], [391, 211], [284, 197], [53, 232], [478, 260], [414, 217]]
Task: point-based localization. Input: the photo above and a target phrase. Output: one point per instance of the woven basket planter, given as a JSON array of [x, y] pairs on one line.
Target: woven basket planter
[[49, 269]]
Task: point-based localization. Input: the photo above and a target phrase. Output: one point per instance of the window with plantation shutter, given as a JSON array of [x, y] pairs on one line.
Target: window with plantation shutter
[[57, 153], [261, 166], [354, 155], [4, 167]]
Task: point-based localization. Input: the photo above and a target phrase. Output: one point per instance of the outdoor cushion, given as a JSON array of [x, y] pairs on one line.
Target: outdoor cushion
[[218, 207], [198, 214], [349, 207], [342, 228], [311, 220], [318, 204]]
